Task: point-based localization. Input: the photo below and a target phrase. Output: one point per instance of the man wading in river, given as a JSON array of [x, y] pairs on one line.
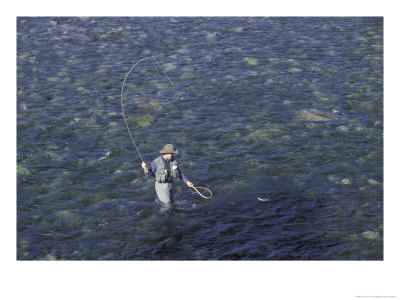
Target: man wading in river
[[164, 169]]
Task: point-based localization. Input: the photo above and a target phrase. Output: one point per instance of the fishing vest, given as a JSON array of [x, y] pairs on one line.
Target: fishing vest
[[162, 172]]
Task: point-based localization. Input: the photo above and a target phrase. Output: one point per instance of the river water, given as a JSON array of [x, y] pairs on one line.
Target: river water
[[282, 118]]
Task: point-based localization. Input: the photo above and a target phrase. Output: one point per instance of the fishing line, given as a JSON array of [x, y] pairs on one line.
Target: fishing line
[[203, 188], [122, 97], [126, 122]]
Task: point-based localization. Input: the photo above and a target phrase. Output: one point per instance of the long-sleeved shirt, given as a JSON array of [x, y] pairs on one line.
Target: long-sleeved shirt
[[153, 169]]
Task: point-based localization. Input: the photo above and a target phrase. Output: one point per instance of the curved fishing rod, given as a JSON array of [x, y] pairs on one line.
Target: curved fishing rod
[[126, 122], [122, 97]]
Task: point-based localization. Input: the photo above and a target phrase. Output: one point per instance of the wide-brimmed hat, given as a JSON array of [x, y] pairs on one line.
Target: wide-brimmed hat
[[169, 148]]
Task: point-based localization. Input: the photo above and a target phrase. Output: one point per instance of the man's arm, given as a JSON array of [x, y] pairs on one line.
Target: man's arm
[[184, 179], [150, 172]]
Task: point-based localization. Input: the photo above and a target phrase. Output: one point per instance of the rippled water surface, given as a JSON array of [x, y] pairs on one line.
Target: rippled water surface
[[281, 117]]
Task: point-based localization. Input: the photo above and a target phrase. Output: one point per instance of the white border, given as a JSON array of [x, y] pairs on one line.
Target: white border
[[197, 280]]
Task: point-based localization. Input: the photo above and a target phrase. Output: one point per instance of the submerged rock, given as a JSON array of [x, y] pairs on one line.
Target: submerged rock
[[353, 237], [168, 67], [333, 178], [70, 217], [82, 90], [266, 133], [238, 29], [346, 181], [50, 257], [295, 70], [311, 125], [21, 170], [148, 104], [369, 234], [251, 61], [343, 128], [373, 181], [144, 120], [314, 115]]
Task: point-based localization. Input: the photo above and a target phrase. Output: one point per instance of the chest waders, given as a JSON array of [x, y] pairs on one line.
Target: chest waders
[[164, 180]]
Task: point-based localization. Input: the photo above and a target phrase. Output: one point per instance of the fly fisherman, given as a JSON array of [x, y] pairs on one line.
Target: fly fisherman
[[164, 169]]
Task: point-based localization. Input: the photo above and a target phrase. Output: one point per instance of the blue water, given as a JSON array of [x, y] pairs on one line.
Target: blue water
[[288, 110]]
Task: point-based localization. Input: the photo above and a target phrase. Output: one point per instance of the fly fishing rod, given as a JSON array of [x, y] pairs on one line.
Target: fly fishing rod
[[126, 122], [122, 97]]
